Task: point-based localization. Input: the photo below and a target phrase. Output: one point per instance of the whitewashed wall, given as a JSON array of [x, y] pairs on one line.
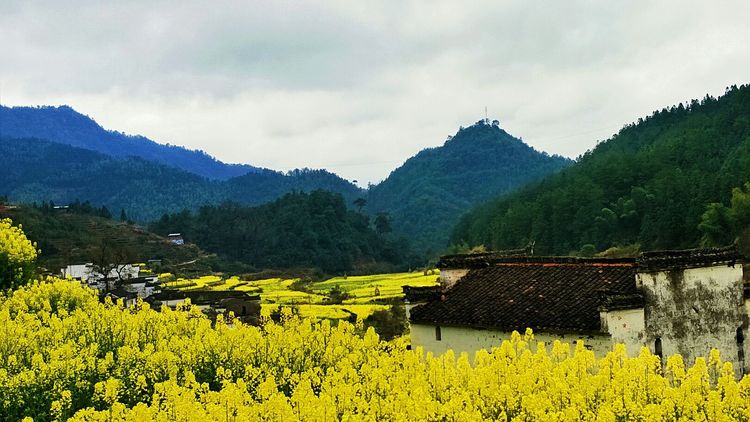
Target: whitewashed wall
[[626, 326], [694, 310], [470, 340]]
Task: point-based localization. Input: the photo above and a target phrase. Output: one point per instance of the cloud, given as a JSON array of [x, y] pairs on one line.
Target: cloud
[[358, 87]]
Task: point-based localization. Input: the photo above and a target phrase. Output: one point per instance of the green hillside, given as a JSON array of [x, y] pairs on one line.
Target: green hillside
[[426, 195], [81, 234], [649, 185]]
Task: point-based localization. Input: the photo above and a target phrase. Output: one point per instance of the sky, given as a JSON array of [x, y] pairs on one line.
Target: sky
[[359, 87]]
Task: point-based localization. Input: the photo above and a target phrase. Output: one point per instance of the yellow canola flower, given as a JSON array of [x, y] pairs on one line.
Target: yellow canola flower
[[14, 244], [64, 355]]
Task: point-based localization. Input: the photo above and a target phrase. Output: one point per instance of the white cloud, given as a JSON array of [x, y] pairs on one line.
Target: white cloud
[[358, 87]]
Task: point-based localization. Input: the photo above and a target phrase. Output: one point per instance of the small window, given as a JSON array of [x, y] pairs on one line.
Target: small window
[[741, 347], [657, 348], [438, 333], [244, 310]]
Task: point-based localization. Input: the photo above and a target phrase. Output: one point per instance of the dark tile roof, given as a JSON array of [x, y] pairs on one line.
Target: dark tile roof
[[482, 259], [121, 293], [139, 280], [199, 296], [421, 294], [688, 258], [488, 259], [613, 301], [540, 293]]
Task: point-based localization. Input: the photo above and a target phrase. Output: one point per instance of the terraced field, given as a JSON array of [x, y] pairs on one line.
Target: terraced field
[[363, 294]]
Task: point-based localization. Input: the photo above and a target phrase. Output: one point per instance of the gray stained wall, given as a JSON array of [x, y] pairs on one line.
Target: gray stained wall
[[691, 311]]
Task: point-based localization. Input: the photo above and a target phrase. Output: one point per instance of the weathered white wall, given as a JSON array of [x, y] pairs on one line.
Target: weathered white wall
[[747, 336], [626, 326], [449, 277], [470, 340], [694, 310], [86, 272], [80, 271], [172, 303]]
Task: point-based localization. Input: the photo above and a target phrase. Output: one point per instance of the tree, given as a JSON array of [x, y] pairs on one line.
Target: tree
[[360, 203], [716, 225], [111, 257], [337, 295], [721, 225], [389, 323], [383, 223], [123, 217]]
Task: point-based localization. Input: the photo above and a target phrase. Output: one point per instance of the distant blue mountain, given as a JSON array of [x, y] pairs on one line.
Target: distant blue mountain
[[35, 170], [66, 126]]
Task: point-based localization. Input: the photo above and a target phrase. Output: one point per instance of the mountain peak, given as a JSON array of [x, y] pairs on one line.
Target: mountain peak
[[429, 192], [484, 130]]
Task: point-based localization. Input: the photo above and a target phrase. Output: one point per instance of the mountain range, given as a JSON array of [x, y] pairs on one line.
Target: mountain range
[[38, 170], [660, 182], [56, 154], [66, 126]]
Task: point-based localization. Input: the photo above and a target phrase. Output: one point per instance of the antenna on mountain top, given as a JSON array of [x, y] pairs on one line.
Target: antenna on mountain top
[[486, 119]]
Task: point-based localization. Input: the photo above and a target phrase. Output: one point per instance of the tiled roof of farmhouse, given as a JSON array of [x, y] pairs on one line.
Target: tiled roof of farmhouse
[[513, 293], [667, 260], [483, 259], [422, 293]]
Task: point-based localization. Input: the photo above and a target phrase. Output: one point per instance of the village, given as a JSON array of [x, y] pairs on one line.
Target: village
[[130, 282], [678, 301]]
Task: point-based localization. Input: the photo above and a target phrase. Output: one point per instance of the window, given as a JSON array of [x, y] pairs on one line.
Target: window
[[438, 333], [657, 348], [244, 310], [741, 348]]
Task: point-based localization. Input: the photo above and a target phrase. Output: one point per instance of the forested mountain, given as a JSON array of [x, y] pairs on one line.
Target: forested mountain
[[66, 126], [36, 170], [298, 230], [426, 195], [649, 185]]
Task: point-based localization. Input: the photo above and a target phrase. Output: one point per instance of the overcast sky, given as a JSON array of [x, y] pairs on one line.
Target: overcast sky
[[359, 86]]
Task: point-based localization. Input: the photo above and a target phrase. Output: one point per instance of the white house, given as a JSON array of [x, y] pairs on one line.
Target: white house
[[88, 273], [685, 302]]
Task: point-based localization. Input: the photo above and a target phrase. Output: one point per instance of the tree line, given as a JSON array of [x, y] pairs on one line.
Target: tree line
[[299, 230], [648, 186]]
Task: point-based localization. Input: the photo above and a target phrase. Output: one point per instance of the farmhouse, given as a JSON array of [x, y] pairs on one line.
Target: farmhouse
[[176, 238], [685, 302], [244, 305]]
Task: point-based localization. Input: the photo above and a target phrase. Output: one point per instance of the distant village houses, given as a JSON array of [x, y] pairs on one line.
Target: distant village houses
[[121, 281], [176, 238], [685, 302], [127, 283]]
